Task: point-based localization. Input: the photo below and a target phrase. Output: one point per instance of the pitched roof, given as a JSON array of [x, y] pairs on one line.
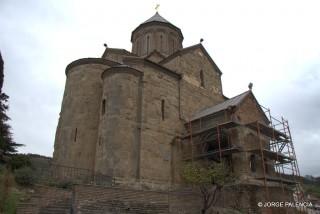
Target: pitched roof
[[234, 101], [190, 48], [117, 51]]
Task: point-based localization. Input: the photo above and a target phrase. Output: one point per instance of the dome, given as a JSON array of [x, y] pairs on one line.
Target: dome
[[156, 33]]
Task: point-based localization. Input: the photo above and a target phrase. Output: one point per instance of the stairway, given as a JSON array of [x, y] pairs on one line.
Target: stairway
[[46, 200], [90, 199]]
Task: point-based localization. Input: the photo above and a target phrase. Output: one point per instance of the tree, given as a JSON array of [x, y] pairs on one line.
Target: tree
[[210, 177], [7, 145]]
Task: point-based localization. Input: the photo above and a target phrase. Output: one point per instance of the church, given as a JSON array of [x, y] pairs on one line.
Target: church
[[137, 116]]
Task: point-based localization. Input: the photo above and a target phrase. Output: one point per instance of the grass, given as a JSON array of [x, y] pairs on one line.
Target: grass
[[9, 194], [10, 204], [312, 189]]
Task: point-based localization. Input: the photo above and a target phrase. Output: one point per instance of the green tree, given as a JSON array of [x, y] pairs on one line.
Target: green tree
[[7, 145], [1, 73], [210, 177]]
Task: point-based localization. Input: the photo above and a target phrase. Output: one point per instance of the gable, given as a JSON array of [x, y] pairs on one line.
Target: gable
[[155, 56], [116, 54], [249, 110], [196, 67], [199, 49]]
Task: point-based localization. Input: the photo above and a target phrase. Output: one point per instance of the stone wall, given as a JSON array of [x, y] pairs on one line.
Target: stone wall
[[160, 123], [196, 94], [245, 198], [119, 141], [249, 111], [77, 130], [164, 39]]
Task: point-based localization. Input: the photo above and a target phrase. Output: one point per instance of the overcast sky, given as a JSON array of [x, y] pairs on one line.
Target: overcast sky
[[274, 44]]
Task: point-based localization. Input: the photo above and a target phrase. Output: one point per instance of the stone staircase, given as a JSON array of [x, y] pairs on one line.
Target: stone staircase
[[90, 199], [46, 200], [87, 199]]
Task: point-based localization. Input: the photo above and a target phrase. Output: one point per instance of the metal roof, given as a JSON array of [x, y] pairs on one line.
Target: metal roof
[[157, 18], [234, 101]]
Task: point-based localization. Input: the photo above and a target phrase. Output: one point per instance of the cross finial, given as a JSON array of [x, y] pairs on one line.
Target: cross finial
[[157, 7]]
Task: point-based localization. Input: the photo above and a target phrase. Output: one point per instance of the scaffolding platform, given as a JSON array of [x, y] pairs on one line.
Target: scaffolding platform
[[226, 125], [277, 156], [215, 153], [277, 179], [267, 131]]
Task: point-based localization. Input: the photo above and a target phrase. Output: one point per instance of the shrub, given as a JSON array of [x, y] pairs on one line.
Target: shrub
[[19, 160], [66, 184], [25, 176], [11, 201]]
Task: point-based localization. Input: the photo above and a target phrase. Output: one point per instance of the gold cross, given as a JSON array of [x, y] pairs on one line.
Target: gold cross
[[157, 7]]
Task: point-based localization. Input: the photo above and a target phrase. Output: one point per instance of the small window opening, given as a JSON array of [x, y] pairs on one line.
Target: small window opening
[[161, 43], [266, 165], [138, 47], [201, 78], [75, 135], [253, 163], [162, 109], [103, 110], [148, 45]]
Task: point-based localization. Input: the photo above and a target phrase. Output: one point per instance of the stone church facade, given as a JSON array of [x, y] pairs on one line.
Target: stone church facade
[[137, 116], [121, 112]]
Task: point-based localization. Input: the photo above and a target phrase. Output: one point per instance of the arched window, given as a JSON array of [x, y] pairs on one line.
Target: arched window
[[201, 78], [253, 163]]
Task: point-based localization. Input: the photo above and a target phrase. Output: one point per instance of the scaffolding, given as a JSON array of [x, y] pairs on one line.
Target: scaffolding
[[213, 142]]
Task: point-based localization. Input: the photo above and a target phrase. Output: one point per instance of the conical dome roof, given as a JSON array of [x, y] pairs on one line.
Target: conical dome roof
[[157, 19]]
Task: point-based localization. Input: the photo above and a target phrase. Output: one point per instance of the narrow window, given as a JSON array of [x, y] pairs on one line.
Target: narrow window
[[148, 40], [266, 165], [171, 45], [162, 109], [201, 78], [161, 43], [253, 163], [138, 47], [75, 135], [103, 110]]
